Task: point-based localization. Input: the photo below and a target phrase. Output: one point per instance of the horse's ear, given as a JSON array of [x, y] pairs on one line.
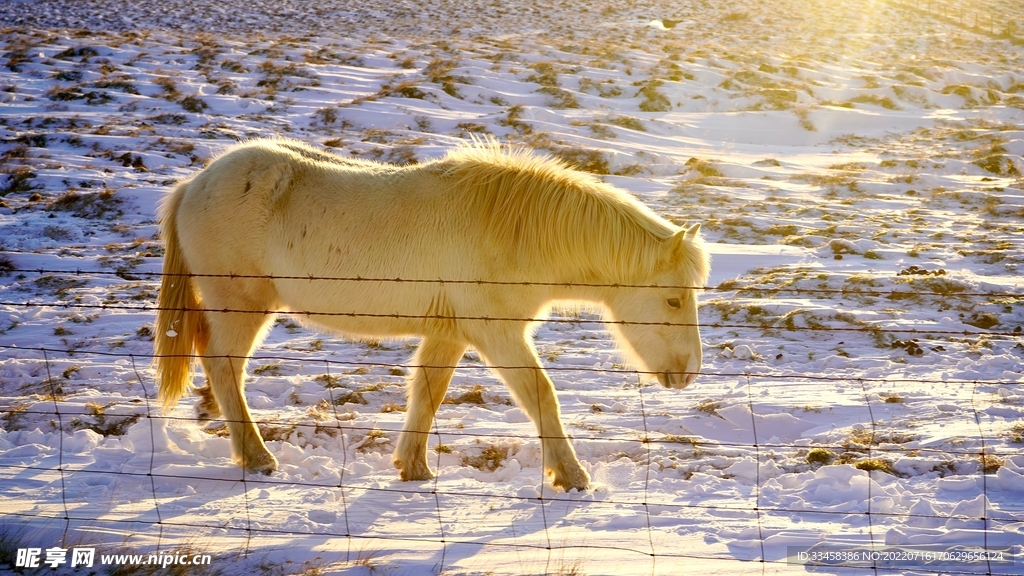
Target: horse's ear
[[677, 244], [685, 235], [691, 232]]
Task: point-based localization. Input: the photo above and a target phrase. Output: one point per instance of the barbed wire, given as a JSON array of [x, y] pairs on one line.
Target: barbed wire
[[727, 286], [873, 329]]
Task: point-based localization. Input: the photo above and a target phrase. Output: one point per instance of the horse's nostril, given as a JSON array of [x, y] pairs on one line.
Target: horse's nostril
[[676, 380], [664, 379]]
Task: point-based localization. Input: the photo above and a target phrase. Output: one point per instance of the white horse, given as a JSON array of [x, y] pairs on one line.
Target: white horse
[[530, 229]]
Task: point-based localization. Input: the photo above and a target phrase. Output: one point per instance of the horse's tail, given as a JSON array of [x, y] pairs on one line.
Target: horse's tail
[[180, 325]]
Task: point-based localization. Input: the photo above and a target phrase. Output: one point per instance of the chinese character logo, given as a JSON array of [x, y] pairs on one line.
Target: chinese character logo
[[82, 557], [28, 557]]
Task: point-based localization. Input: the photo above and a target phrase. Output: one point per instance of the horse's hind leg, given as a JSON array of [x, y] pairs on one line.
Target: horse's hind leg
[[232, 339], [517, 364], [434, 365], [207, 408]]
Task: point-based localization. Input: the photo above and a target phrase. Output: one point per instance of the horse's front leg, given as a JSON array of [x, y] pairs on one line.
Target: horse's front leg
[[516, 362], [434, 365]]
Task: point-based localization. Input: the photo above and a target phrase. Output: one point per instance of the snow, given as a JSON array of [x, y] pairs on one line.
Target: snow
[[856, 168]]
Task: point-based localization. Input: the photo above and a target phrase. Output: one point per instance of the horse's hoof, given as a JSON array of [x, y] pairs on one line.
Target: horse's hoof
[[204, 415], [414, 473], [264, 463], [207, 408], [569, 479]]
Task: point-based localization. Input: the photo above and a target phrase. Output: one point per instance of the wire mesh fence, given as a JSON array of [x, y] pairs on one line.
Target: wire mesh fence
[[979, 16], [876, 448]]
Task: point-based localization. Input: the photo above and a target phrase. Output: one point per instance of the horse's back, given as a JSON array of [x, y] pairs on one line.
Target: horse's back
[[287, 210], [251, 183]]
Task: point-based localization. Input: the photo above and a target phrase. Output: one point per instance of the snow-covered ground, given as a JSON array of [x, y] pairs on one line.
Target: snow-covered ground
[[855, 165]]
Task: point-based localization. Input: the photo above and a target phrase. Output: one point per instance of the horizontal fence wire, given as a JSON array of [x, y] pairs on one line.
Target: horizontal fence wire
[[1016, 333], [665, 439], [728, 286], [759, 509], [263, 480], [320, 360], [549, 547]]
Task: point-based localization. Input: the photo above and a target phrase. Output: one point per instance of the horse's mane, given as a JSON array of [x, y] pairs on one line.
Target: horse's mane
[[553, 213]]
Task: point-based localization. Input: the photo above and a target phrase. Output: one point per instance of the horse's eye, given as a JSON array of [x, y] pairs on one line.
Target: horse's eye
[[673, 302]]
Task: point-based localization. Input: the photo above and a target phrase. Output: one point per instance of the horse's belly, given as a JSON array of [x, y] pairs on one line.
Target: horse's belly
[[354, 306]]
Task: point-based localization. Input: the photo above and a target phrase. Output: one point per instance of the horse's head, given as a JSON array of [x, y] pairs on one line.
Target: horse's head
[[658, 324]]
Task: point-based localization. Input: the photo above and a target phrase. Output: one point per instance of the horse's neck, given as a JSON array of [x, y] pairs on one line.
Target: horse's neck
[[594, 291], [607, 260], [587, 281]]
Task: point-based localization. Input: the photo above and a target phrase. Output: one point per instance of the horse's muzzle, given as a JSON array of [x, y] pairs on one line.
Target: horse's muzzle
[[677, 380]]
